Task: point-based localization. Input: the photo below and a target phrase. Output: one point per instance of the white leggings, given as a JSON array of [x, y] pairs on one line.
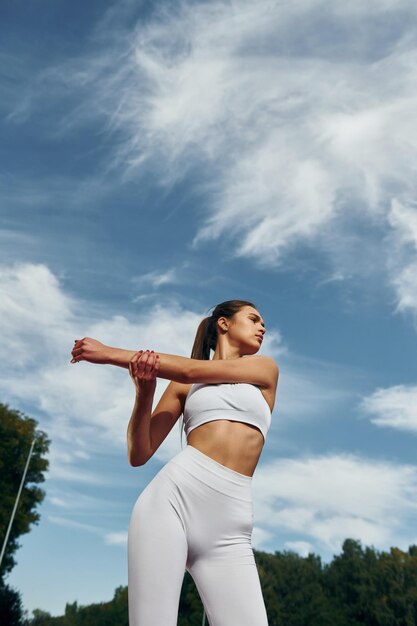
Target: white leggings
[[196, 515]]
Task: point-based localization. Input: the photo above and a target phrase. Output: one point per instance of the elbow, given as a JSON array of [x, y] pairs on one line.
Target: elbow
[[134, 463], [135, 460], [189, 375]]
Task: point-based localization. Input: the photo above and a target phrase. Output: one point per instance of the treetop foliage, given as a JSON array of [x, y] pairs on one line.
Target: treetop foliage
[[17, 431], [359, 587]]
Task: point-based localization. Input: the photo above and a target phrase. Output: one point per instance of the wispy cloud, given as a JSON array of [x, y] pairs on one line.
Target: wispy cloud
[[309, 388], [109, 538], [307, 139], [157, 278], [68, 523], [303, 140], [116, 539]]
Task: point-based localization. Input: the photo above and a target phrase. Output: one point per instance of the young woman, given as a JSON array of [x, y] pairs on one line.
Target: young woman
[[196, 514]]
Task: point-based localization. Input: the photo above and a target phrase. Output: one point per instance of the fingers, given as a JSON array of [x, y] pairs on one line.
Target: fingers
[[132, 364], [144, 365], [149, 372], [77, 351]]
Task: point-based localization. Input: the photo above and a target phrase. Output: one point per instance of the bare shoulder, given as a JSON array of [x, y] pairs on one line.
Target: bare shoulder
[[262, 358], [268, 365], [264, 361]]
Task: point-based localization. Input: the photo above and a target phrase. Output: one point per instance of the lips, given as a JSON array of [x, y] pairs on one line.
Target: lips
[[260, 337]]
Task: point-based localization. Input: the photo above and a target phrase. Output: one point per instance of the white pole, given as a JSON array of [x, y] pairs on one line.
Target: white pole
[[204, 618], [16, 503]]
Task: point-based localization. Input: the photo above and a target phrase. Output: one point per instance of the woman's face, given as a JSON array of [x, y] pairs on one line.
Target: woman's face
[[246, 330]]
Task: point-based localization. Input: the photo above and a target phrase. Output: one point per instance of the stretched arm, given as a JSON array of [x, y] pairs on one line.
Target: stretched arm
[[139, 448], [255, 369], [94, 351]]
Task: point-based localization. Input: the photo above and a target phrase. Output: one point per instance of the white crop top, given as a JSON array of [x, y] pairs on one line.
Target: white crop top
[[239, 402]]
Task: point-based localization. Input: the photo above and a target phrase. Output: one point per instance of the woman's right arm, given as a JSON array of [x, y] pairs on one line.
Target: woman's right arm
[[138, 430], [147, 429]]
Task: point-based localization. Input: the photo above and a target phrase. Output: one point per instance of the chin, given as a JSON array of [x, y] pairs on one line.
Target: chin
[[252, 349]]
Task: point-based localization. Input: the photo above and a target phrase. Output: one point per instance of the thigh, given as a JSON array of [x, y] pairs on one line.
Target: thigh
[[222, 563], [157, 553], [231, 594]]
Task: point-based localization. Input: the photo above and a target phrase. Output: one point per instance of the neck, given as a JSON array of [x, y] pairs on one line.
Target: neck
[[225, 351]]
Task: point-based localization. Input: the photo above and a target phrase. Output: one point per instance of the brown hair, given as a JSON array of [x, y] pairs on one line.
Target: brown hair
[[206, 335]]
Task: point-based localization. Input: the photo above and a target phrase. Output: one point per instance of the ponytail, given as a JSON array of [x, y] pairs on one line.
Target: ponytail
[[206, 335], [205, 339]]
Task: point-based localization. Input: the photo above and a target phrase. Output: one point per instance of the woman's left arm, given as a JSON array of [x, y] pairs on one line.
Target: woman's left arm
[[255, 369], [93, 351]]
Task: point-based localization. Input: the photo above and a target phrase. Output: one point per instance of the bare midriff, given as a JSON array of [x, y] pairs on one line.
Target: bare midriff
[[235, 445]]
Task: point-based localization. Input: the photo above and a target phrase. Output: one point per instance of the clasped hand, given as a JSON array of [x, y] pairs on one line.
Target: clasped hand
[[143, 369]]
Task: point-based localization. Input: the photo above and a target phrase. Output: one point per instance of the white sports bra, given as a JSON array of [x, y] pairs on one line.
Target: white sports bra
[[239, 402]]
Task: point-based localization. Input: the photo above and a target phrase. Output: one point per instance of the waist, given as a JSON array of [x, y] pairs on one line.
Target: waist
[[211, 415], [200, 467], [234, 444]]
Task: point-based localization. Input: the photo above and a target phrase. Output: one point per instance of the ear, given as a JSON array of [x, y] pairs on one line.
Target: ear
[[223, 322]]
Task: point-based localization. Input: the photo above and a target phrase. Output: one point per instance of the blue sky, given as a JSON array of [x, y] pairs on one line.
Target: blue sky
[[158, 158]]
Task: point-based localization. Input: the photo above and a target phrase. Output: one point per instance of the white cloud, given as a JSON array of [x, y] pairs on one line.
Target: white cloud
[[59, 502], [318, 500], [403, 259], [34, 315], [83, 408], [393, 407], [303, 548], [260, 537], [116, 538], [324, 499]]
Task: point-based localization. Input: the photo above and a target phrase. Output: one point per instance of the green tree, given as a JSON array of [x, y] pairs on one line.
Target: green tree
[[190, 607], [360, 587], [17, 432], [294, 591], [40, 618], [11, 610], [349, 580]]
